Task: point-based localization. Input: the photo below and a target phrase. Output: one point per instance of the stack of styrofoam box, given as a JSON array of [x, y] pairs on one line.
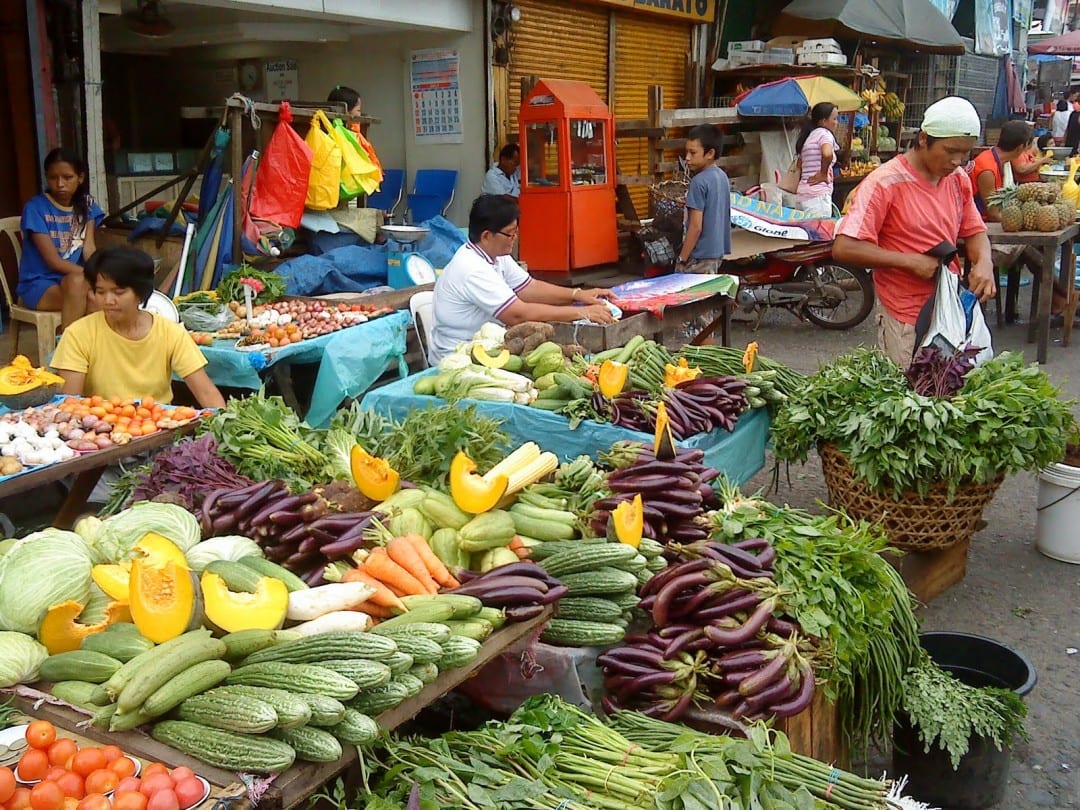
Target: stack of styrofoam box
[[779, 56], [820, 52], [745, 52]]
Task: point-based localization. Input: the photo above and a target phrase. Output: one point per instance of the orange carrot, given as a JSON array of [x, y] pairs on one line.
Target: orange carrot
[[383, 596], [404, 554], [435, 567], [373, 610], [394, 576]]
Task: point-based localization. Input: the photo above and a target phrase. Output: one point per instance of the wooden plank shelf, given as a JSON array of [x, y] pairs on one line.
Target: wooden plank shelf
[[296, 785]]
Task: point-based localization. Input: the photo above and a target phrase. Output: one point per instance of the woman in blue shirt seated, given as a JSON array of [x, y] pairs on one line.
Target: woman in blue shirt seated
[[58, 236]]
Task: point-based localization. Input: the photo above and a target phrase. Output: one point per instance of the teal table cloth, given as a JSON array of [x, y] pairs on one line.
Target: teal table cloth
[[739, 454], [349, 362]]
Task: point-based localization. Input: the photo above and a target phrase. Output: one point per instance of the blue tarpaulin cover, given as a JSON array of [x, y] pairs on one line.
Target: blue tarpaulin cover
[[354, 268], [739, 454]]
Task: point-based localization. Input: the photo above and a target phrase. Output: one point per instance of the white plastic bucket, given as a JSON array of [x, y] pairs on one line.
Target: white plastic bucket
[[1057, 524]]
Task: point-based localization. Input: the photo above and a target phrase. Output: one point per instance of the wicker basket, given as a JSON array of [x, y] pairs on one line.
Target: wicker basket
[[914, 522], [669, 198]]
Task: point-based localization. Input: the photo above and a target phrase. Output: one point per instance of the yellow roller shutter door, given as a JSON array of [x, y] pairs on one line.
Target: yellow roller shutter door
[[556, 39], [648, 50]]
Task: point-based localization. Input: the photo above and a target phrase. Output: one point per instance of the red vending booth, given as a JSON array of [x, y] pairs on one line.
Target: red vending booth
[[567, 178]]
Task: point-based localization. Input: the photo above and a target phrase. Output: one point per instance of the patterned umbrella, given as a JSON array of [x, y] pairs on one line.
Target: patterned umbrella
[[795, 96]]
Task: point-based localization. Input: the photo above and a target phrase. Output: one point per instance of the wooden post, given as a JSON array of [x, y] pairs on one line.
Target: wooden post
[[612, 60], [656, 151], [95, 148], [236, 169]]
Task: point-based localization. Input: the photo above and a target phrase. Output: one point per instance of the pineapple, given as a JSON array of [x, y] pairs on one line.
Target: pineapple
[[1051, 192], [1046, 219], [1030, 211], [1066, 213], [1026, 192], [1012, 216]]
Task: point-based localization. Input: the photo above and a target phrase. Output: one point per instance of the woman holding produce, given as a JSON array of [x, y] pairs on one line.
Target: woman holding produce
[[58, 235], [483, 283], [1026, 167], [122, 350], [816, 148]]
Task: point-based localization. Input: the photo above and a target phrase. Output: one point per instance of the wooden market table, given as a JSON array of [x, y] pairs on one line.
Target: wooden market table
[[87, 469], [1041, 251], [598, 337], [296, 785]]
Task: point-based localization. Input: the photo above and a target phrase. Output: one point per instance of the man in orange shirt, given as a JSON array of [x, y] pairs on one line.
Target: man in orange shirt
[[907, 207]]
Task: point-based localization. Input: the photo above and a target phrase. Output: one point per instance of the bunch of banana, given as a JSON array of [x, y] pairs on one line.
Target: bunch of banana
[[892, 106], [872, 98]]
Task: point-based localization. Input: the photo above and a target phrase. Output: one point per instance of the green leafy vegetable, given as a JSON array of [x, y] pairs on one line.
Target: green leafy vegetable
[[232, 289], [948, 712], [265, 439], [1007, 417]]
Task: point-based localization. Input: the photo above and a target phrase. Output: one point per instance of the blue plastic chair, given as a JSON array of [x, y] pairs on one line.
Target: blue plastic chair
[[433, 191], [388, 196]]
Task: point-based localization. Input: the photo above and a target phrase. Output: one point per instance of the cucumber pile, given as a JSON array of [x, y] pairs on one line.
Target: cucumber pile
[[256, 700], [602, 579]]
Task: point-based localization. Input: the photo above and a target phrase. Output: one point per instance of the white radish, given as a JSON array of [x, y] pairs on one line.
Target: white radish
[[315, 602], [340, 621]]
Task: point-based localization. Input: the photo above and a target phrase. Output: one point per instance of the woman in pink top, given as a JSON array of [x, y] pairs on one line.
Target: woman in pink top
[[817, 154]]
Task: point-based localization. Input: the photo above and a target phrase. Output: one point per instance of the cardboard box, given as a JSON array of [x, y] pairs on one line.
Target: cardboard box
[[784, 42], [779, 56], [755, 45]]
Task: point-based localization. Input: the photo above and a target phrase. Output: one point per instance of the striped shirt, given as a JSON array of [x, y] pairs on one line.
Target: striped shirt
[[811, 163]]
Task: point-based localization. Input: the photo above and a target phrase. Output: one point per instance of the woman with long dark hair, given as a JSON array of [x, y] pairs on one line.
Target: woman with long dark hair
[[58, 236], [816, 148]]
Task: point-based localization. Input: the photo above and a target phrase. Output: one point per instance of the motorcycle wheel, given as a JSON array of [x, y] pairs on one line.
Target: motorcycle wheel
[[830, 311]]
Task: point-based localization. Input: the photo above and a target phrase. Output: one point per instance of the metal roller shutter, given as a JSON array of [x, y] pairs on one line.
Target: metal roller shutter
[[556, 39], [648, 50]]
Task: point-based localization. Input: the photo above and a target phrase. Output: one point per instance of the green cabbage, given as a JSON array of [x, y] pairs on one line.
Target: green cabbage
[[20, 657], [7, 545], [227, 547], [122, 531], [42, 570]]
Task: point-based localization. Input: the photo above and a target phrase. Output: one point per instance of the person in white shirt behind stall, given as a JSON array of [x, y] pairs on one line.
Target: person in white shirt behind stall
[[483, 283]]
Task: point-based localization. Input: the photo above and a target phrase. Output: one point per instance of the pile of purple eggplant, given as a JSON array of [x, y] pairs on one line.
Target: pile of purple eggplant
[[693, 406], [298, 531], [675, 494], [521, 589], [719, 601]]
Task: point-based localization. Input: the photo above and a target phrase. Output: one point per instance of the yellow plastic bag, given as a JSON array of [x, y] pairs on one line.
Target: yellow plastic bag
[[323, 184], [358, 174]]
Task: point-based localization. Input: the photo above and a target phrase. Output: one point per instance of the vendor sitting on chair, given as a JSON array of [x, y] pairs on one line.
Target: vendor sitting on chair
[[483, 283], [122, 350]]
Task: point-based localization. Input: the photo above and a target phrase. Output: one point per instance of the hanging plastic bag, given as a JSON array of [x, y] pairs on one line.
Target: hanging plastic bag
[[323, 184], [281, 182], [953, 319], [358, 174]]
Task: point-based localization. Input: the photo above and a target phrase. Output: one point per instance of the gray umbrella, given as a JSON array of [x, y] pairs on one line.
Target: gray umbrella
[[913, 23]]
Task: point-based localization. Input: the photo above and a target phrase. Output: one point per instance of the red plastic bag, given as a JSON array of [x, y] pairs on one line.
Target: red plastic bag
[[282, 180]]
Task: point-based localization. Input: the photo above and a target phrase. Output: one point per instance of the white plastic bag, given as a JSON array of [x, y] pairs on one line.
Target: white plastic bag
[[955, 320]]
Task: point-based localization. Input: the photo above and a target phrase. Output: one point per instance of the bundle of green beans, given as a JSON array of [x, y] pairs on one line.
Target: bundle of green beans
[[647, 364], [727, 360]]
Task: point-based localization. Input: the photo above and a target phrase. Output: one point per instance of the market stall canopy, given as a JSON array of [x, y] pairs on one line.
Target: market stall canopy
[[911, 23], [1065, 45], [795, 95]]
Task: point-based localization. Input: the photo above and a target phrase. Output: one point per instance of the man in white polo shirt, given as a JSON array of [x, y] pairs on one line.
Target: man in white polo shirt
[[483, 283]]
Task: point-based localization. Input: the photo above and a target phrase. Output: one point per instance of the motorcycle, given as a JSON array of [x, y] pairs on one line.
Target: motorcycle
[[807, 282]]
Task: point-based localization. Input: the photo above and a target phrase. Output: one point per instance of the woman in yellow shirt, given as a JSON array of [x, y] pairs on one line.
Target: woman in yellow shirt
[[122, 350]]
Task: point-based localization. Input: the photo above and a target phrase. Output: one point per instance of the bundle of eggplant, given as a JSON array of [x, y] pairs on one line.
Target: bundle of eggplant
[[523, 589], [299, 531], [675, 494], [720, 601], [693, 406], [638, 674]]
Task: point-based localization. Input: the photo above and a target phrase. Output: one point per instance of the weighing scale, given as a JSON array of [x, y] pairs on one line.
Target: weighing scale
[[405, 267]]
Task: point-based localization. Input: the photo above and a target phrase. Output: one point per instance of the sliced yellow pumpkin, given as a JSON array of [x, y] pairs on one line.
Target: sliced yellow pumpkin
[[663, 442], [373, 476], [164, 599], [113, 579], [60, 632], [160, 549], [681, 372], [233, 611], [612, 377], [626, 523], [20, 376], [480, 355], [471, 492]]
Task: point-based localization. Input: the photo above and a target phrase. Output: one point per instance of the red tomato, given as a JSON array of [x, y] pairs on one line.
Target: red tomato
[[102, 781], [178, 775], [72, 785], [129, 784], [154, 783], [111, 752], [33, 765], [54, 773], [7, 784], [20, 799], [154, 767], [40, 734], [129, 800], [94, 801], [46, 796], [189, 791], [163, 800], [123, 767]]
